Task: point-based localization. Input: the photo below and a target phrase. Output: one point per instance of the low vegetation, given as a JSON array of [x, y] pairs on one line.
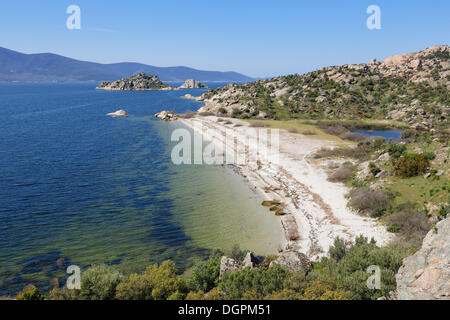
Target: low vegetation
[[342, 275]]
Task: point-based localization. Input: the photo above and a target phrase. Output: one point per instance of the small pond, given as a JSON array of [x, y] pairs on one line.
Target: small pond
[[387, 134]]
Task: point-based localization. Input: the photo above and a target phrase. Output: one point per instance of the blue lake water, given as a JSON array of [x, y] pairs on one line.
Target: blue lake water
[[395, 135], [79, 187]]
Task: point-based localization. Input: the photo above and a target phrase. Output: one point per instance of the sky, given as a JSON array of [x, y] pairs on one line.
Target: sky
[[254, 37]]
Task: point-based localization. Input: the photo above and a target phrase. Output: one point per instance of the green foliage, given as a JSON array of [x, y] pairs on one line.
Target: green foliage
[[350, 271], [374, 170], [206, 274], [236, 113], [156, 283], [99, 283], [30, 293], [222, 110], [260, 280], [395, 150], [411, 165], [338, 250], [237, 254]]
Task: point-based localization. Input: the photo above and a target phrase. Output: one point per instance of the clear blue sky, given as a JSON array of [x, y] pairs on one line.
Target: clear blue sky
[[255, 37]]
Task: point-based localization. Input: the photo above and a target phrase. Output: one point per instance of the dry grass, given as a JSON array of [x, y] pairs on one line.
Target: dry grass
[[259, 124], [343, 173], [206, 113], [366, 200]]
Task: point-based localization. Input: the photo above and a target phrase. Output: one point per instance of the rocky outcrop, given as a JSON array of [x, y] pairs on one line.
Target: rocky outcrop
[[229, 265], [351, 86], [118, 113], [166, 115], [292, 260], [141, 81], [250, 260], [426, 274], [192, 84]]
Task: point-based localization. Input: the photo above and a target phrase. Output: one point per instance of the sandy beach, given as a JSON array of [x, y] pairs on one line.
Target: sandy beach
[[315, 209]]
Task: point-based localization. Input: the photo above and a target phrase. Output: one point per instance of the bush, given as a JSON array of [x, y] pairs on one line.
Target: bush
[[350, 270], [374, 170], [64, 294], [205, 275], [338, 250], [222, 110], [309, 132], [237, 254], [259, 124], [366, 200], [343, 173], [293, 130], [411, 224], [260, 280], [99, 283], [156, 283], [395, 150], [411, 165], [30, 292], [236, 113]]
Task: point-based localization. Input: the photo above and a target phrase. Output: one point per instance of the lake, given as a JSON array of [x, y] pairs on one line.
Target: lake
[[79, 187]]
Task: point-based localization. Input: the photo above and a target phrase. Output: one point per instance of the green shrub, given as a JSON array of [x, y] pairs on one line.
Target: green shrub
[[395, 150], [350, 271], [260, 280], [156, 283], [411, 165], [99, 283], [338, 250], [222, 110], [30, 292], [237, 254], [206, 274], [374, 170]]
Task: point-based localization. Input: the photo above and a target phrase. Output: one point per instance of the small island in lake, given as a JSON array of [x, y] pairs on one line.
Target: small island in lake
[[141, 81]]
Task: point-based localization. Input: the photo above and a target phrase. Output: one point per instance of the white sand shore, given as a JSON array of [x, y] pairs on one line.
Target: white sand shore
[[316, 209]]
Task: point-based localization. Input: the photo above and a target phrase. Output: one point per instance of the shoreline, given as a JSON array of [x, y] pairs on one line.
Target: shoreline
[[315, 209]]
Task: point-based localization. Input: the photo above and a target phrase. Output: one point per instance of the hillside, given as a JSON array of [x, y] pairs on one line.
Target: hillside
[[42, 67], [141, 81], [412, 87]]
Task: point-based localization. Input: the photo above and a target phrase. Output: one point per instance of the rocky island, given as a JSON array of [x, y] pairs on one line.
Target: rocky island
[[141, 81], [192, 84]]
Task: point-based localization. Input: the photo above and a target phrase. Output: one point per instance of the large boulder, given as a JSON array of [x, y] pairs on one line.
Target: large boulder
[[166, 115], [250, 260], [426, 274], [292, 260], [229, 265], [118, 113]]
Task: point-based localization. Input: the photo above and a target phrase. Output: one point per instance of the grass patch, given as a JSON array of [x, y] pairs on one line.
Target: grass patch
[[299, 126]]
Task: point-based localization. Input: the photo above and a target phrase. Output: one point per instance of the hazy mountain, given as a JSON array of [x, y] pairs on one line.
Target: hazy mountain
[[16, 66]]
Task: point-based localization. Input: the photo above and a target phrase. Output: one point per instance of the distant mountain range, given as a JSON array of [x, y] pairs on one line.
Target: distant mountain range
[[43, 67]]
